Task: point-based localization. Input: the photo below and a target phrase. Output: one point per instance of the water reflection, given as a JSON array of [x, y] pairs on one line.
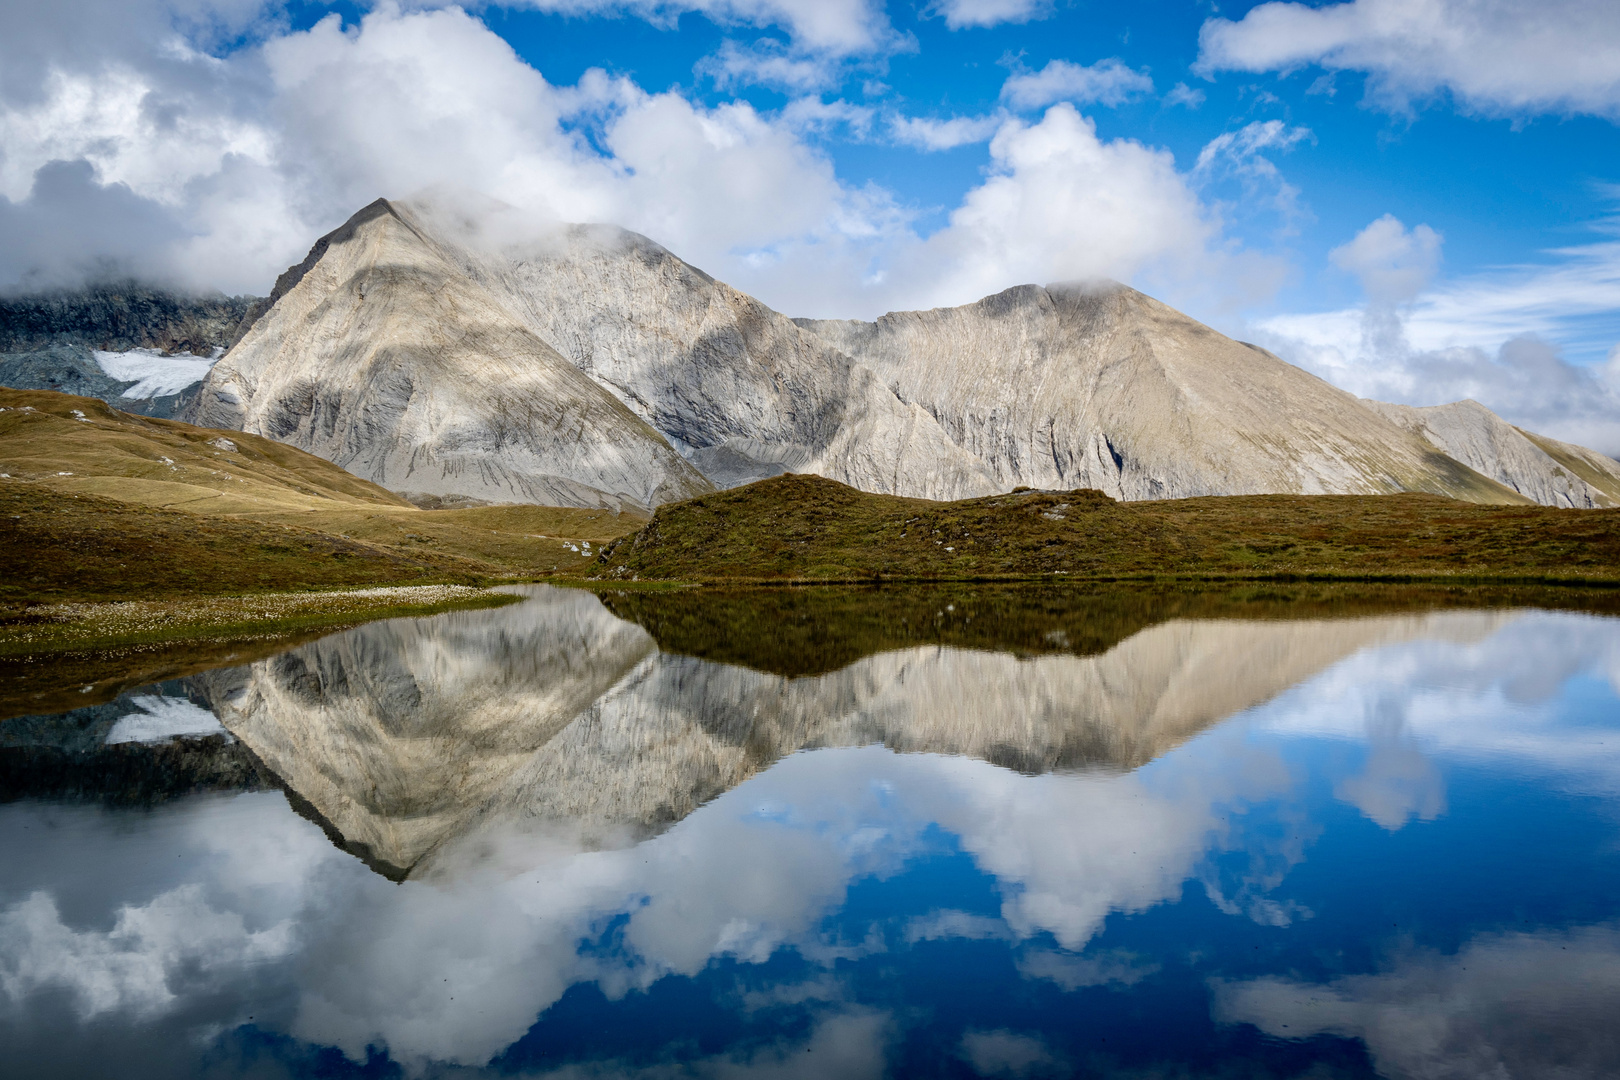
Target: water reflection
[[616, 860]]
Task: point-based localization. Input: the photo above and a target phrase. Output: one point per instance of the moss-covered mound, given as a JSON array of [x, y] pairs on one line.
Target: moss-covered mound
[[805, 528]]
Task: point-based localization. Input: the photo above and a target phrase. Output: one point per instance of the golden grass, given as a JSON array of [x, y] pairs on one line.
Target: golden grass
[[99, 505]]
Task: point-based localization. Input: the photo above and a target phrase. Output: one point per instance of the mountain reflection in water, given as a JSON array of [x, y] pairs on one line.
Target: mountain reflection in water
[[1314, 846]]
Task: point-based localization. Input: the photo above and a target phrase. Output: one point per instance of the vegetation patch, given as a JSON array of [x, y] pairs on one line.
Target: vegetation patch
[[806, 528]]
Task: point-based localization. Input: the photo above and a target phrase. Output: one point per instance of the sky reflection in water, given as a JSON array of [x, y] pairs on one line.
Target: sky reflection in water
[[1397, 858]]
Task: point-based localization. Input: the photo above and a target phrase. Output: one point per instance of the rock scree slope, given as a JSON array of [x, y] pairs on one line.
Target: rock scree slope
[[1552, 473]]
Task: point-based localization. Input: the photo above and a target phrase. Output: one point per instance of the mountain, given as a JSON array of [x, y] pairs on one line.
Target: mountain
[[737, 387], [425, 361], [379, 354], [1552, 473], [1102, 387], [122, 316], [142, 349], [446, 353]]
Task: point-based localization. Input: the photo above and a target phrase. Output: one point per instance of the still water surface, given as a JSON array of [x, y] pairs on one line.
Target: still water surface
[[589, 839]]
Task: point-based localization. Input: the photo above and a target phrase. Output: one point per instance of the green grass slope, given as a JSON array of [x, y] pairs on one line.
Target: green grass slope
[[805, 528]]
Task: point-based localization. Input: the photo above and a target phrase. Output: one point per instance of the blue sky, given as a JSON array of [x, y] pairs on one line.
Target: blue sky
[[1417, 199]]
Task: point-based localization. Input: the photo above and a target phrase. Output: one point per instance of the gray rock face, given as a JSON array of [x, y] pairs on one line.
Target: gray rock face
[[380, 355], [741, 390], [119, 316], [1106, 388], [431, 364], [1550, 472], [72, 369]]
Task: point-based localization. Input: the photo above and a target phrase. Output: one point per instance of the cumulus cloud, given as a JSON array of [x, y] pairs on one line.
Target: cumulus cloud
[[964, 13], [1495, 57], [1488, 337], [1107, 82], [1393, 263], [171, 163], [1063, 204]]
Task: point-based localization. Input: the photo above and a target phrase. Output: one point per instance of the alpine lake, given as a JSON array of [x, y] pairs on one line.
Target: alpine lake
[[942, 831]]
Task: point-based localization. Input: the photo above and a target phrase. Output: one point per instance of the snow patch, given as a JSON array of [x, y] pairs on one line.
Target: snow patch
[[155, 374], [163, 719]]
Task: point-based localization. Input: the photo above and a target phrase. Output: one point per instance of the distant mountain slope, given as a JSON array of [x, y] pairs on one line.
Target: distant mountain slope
[[378, 353], [108, 341], [81, 446], [1106, 388], [1552, 473], [121, 316], [138, 381]]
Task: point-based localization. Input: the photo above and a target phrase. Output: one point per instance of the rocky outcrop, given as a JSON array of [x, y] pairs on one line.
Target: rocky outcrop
[[73, 369], [1103, 387], [381, 355], [121, 316], [1550, 472]]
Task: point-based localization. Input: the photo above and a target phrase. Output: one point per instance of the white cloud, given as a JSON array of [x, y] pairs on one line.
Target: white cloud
[[965, 13], [1238, 155], [926, 133], [1062, 204], [1393, 263], [1490, 336], [837, 27], [1182, 94], [1107, 82], [768, 63], [1495, 56], [254, 155], [812, 114]]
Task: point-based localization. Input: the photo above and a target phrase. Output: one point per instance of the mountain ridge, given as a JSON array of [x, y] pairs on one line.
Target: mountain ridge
[[587, 365]]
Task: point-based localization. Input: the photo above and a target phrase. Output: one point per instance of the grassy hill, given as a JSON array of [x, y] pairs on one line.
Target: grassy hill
[[805, 528], [97, 504]]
